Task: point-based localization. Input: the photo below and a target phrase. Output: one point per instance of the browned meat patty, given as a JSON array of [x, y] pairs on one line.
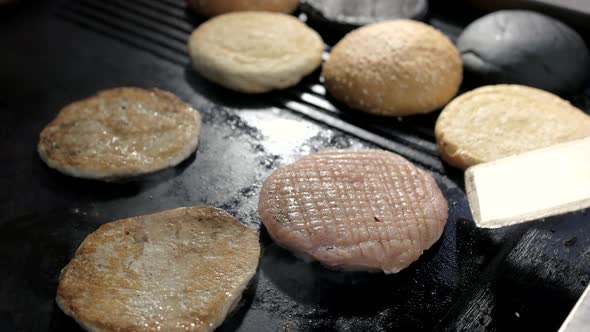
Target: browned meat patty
[[177, 270], [356, 210], [119, 133]]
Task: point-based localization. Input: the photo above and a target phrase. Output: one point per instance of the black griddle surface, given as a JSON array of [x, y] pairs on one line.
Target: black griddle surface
[[55, 52]]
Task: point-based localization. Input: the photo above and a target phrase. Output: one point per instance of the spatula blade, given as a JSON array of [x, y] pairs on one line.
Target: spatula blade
[[532, 185]]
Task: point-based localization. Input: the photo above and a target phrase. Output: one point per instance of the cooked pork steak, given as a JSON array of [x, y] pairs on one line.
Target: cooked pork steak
[[177, 270], [356, 210]]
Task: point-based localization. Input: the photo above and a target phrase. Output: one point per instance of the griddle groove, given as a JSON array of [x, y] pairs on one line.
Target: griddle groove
[[153, 13], [146, 27], [122, 36], [392, 131], [410, 152], [162, 8]]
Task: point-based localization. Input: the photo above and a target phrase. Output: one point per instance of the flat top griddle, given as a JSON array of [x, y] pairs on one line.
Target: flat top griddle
[[55, 52]]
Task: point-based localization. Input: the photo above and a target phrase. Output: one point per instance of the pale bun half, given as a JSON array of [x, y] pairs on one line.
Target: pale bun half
[[255, 52]]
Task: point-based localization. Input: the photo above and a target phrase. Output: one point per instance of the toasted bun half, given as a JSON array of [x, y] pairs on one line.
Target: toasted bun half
[[497, 121], [394, 68]]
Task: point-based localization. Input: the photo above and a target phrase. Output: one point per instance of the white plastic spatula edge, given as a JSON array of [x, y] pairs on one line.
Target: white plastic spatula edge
[[579, 319], [529, 186]]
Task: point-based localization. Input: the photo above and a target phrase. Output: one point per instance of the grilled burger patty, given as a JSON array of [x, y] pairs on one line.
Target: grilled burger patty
[[177, 270], [119, 133]]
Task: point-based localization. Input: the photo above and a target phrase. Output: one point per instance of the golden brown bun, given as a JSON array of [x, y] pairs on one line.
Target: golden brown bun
[[255, 52], [394, 68], [177, 270], [217, 7], [121, 132], [497, 121]]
